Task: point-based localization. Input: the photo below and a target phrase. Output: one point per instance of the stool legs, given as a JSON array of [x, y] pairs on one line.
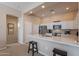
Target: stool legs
[[37, 48], [29, 48], [32, 49]]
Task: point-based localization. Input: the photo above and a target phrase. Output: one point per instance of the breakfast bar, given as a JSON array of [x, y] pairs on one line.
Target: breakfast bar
[[47, 44]]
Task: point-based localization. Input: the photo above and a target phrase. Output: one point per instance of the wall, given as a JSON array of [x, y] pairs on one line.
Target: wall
[[27, 27], [4, 10], [36, 21]]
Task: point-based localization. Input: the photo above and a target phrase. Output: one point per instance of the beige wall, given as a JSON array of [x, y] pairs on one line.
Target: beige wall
[[36, 21], [4, 10]]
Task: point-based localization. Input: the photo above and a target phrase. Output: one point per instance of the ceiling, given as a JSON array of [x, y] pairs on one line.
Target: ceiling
[[22, 6], [57, 7]]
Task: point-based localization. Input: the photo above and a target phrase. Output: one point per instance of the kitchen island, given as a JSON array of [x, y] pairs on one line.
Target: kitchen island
[[47, 44]]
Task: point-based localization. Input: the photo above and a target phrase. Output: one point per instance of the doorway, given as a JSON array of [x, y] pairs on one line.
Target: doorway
[[12, 29]]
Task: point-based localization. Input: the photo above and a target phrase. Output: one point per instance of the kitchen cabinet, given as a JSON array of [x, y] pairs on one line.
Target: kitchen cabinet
[[49, 26], [67, 25], [57, 23], [76, 22], [64, 24]]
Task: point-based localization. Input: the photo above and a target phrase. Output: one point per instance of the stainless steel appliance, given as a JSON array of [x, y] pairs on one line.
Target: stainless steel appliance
[[42, 29]]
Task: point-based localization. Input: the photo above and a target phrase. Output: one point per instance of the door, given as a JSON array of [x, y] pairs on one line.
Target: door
[[12, 29]]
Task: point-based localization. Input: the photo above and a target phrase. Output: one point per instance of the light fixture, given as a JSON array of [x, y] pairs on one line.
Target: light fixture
[[43, 6], [67, 8], [53, 12], [31, 12]]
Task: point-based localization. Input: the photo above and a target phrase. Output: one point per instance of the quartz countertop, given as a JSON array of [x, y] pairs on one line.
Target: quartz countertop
[[64, 39]]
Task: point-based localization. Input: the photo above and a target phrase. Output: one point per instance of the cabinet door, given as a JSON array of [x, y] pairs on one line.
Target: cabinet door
[[49, 26], [76, 22], [71, 25], [67, 25], [63, 25]]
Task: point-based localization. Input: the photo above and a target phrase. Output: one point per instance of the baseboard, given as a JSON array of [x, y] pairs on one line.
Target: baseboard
[[3, 48], [20, 42], [11, 44], [43, 53]]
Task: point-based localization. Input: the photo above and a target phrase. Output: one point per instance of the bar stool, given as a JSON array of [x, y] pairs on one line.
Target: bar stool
[[34, 47], [59, 52]]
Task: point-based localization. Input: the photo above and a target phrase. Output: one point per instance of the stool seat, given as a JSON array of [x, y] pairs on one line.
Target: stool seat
[[59, 52], [33, 42], [34, 47]]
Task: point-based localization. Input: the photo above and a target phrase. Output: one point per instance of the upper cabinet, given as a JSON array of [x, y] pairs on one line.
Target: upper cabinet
[[64, 25], [76, 21], [67, 25], [49, 26]]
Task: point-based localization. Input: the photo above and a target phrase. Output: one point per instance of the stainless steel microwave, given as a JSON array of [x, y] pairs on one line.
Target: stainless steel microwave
[[56, 26]]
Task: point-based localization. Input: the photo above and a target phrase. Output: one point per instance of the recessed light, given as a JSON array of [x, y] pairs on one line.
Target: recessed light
[[43, 6], [31, 12], [67, 8], [53, 12]]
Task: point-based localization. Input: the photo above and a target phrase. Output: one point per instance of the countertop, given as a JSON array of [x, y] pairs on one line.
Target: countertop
[[67, 40]]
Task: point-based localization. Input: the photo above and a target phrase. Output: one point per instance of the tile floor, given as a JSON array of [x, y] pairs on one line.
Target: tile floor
[[17, 50]]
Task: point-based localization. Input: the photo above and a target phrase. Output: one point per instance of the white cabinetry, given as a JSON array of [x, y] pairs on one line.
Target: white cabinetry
[[49, 26], [76, 22], [64, 25], [67, 25], [57, 23]]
